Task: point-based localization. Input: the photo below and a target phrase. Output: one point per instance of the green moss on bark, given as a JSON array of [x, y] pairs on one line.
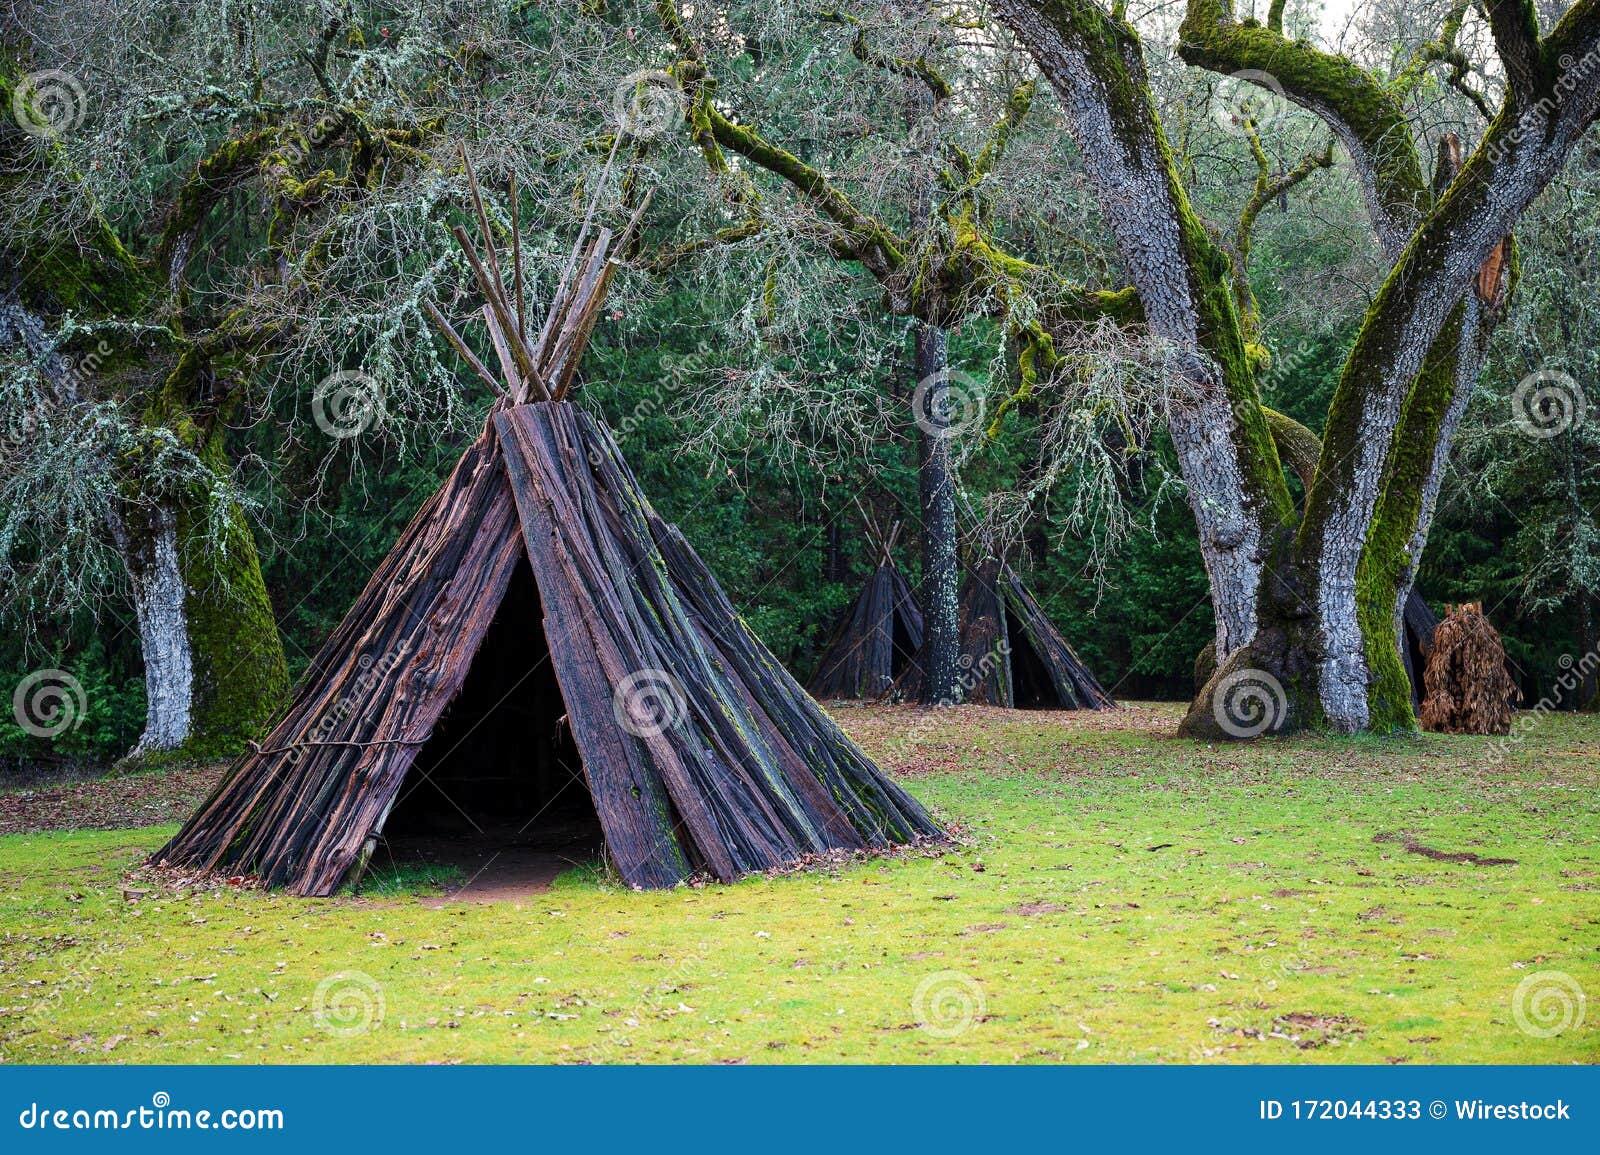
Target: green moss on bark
[[1384, 558], [240, 676], [1374, 115]]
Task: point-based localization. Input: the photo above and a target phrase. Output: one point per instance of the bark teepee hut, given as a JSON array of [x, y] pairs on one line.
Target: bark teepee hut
[[537, 614], [1012, 655], [879, 636]]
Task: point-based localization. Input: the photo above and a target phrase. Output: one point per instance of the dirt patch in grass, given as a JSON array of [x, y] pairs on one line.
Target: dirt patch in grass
[[509, 867], [1028, 909], [1412, 846], [1307, 1030]]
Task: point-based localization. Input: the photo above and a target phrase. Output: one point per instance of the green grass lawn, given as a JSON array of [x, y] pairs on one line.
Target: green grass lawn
[[1117, 895]]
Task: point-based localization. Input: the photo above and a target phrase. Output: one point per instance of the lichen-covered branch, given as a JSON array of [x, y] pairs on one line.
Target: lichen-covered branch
[[1443, 50], [1011, 118], [945, 270], [913, 69]]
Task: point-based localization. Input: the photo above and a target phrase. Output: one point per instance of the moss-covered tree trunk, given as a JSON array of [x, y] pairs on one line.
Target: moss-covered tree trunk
[[1237, 490], [1308, 603], [147, 539], [324, 126], [240, 676], [214, 662], [219, 673]]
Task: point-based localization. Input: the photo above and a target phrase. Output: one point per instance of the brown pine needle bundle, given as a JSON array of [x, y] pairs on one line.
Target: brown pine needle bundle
[[1466, 687]]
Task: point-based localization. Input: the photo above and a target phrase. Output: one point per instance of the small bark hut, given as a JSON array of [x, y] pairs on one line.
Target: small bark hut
[[1012, 655], [878, 638], [538, 632]]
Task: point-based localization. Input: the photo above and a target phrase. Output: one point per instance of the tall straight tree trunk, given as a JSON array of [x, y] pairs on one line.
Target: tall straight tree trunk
[[941, 577]]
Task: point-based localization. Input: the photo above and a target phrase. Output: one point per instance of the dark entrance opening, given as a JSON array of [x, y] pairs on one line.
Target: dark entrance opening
[[1031, 687], [498, 792]]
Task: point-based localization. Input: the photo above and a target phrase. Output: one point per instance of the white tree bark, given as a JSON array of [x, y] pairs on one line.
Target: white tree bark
[[159, 601]]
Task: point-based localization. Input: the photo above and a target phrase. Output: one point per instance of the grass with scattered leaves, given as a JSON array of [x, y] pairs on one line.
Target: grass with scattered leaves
[[1117, 894]]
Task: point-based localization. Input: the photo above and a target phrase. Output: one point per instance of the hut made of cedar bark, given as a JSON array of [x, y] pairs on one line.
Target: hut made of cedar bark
[[878, 638], [1012, 654], [539, 634]]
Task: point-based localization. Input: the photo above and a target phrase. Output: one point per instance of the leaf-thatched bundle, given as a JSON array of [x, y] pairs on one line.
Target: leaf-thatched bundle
[[1467, 689]]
